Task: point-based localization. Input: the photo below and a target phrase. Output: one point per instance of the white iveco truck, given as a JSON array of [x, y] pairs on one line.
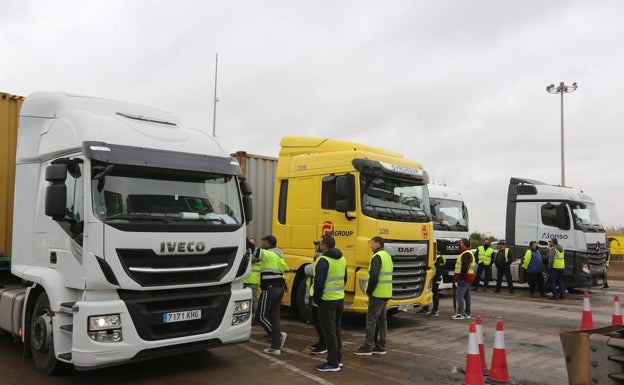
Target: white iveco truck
[[128, 235], [450, 225], [538, 212]]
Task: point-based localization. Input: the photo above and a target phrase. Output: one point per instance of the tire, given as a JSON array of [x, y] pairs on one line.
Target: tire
[[303, 308], [41, 336]]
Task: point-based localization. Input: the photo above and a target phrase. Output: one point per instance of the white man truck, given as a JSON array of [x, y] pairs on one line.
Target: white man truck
[[127, 233], [538, 212], [450, 225], [354, 192]]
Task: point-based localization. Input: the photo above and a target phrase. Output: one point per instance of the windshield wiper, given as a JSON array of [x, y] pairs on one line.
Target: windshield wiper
[[137, 217]]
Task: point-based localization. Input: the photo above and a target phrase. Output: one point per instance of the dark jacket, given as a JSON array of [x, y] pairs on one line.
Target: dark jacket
[[320, 275]]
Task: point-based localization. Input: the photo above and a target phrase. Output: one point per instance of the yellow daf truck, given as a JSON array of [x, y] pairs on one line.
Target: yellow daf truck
[[354, 192]]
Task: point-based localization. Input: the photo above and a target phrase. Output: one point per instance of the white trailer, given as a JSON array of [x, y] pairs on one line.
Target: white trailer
[[128, 235]]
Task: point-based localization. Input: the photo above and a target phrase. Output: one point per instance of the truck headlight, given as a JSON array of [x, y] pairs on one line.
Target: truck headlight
[[242, 312], [105, 328]]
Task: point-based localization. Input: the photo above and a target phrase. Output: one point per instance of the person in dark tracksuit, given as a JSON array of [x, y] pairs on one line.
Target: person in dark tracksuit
[[502, 260], [330, 275], [272, 268]]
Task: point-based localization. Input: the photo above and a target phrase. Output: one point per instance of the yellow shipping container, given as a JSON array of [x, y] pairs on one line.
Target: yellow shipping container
[[10, 106]]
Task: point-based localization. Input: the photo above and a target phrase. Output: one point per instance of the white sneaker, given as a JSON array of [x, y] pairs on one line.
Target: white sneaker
[[283, 339], [275, 352], [458, 317]]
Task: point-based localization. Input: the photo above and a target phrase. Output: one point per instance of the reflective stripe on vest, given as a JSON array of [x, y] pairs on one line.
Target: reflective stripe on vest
[[485, 256], [458, 263], [270, 265], [384, 285], [334, 283], [559, 260], [435, 270]]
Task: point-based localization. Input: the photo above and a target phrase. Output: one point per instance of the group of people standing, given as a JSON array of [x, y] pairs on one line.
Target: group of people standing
[[327, 278]]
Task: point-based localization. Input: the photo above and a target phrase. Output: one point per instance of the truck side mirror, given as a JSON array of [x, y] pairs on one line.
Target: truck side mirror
[[245, 188], [345, 191], [56, 191]]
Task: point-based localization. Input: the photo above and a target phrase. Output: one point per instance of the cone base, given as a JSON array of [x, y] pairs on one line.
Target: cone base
[[494, 382]]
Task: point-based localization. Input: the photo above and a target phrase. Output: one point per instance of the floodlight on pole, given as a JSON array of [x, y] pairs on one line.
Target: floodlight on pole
[[562, 89]]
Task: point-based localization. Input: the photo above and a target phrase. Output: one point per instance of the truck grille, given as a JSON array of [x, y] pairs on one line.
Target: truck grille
[[147, 308], [448, 247], [410, 269], [202, 268]]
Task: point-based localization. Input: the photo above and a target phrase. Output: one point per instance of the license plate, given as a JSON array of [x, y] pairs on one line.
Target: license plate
[[180, 316], [407, 306]]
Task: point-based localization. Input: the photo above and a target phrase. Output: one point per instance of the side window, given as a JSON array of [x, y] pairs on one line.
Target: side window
[[328, 193], [549, 215]]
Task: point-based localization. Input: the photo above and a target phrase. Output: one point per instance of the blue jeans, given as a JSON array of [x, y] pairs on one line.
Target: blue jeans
[[556, 280], [463, 297]]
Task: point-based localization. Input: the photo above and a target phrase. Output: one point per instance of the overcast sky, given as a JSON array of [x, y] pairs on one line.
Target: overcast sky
[[456, 85]]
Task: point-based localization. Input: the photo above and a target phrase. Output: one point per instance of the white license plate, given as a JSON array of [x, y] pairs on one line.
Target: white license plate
[[407, 306], [180, 316]]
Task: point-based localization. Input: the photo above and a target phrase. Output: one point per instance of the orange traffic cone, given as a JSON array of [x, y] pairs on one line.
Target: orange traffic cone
[[474, 374], [587, 322], [617, 312], [481, 346], [499, 373]]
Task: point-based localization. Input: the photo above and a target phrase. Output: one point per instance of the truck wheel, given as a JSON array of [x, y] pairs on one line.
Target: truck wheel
[[304, 310], [41, 339]]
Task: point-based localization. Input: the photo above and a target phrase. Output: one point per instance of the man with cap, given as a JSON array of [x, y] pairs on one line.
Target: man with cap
[[319, 347], [556, 262], [503, 260], [272, 268], [253, 280]]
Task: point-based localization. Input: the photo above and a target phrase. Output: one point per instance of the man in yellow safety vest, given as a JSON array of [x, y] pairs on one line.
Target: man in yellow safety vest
[[379, 291], [556, 262], [330, 275]]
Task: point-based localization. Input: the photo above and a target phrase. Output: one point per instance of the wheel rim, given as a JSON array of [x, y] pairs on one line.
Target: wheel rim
[[42, 333]]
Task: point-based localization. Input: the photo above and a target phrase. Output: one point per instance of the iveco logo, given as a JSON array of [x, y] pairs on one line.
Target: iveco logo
[[182, 247]]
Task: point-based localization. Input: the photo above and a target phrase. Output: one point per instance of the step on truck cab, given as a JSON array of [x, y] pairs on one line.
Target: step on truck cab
[[538, 212], [128, 235], [354, 192], [450, 225]]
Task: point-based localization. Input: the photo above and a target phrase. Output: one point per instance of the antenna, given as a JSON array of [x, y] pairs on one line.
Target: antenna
[[214, 110]]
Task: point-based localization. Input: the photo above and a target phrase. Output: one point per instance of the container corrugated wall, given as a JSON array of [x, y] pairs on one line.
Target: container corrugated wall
[[10, 106], [260, 172]]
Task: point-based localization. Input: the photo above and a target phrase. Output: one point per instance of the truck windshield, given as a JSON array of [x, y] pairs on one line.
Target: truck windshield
[[450, 215], [131, 194], [386, 197], [586, 217]]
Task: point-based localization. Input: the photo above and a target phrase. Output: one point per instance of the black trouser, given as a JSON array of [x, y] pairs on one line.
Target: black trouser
[[269, 313], [330, 318], [317, 326], [506, 272], [536, 281], [488, 275], [435, 288]]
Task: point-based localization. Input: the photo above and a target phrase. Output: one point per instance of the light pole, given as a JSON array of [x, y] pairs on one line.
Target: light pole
[[562, 89]]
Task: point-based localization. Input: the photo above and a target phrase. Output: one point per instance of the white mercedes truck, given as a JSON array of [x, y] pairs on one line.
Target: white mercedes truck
[[537, 211], [450, 225], [128, 234]]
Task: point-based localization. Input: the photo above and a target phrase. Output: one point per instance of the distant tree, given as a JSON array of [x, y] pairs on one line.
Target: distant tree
[[615, 230], [477, 238]]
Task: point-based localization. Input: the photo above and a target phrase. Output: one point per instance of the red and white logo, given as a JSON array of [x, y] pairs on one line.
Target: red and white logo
[[328, 228]]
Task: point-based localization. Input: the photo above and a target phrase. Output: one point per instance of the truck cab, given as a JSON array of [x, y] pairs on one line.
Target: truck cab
[[450, 224], [538, 212]]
